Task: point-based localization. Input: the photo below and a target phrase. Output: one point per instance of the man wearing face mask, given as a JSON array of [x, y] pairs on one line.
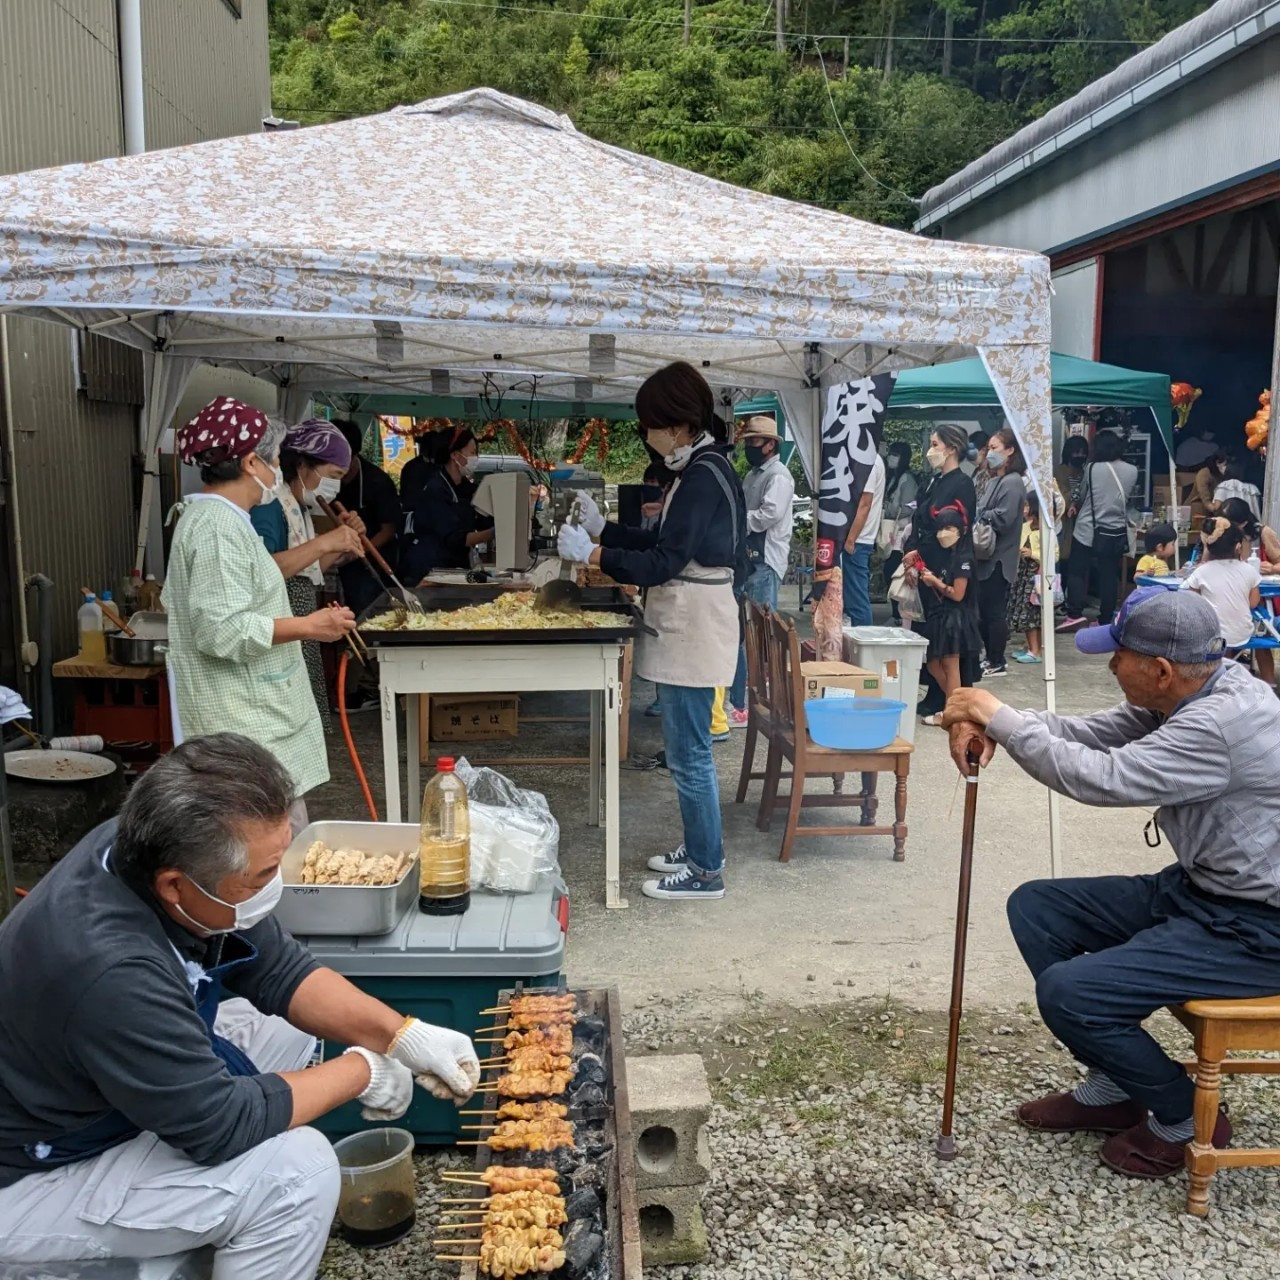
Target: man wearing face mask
[[441, 525], [156, 1026], [314, 456], [235, 646]]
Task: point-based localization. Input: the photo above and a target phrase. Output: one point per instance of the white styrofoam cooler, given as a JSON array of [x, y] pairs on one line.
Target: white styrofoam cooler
[[897, 655]]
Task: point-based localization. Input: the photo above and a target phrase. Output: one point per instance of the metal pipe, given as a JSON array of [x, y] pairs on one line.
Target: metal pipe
[[132, 99], [44, 652], [15, 517], [1271, 484]]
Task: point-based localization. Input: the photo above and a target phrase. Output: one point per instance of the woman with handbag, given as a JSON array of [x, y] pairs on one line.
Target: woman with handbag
[[997, 530], [1100, 538], [900, 493]]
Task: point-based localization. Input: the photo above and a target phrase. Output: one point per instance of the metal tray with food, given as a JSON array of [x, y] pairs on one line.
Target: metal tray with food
[[331, 896], [612, 617]]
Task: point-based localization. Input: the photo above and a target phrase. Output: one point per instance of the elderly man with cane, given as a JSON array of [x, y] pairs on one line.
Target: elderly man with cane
[[1196, 739]]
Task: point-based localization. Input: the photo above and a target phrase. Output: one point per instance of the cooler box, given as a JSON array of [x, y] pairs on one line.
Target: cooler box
[[445, 969], [898, 655]]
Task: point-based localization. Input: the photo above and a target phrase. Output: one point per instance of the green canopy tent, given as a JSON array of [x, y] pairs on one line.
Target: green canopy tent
[[1075, 382]]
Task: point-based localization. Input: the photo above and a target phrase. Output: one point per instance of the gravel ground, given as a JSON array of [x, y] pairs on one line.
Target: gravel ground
[[822, 1143]]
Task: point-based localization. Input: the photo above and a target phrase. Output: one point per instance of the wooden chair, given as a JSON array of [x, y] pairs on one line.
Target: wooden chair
[[1218, 1027], [759, 712], [790, 741]]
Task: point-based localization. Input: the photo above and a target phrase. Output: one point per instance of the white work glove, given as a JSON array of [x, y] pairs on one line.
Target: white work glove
[[443, 1061], [575, 543], [589, 515], [390, 1088]]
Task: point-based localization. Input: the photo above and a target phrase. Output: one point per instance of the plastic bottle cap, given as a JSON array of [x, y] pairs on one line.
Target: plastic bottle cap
[[90, 598], [444, 764], [106, 595]]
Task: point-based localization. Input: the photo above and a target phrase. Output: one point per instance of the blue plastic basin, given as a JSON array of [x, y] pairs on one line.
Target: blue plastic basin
[[853, 724]]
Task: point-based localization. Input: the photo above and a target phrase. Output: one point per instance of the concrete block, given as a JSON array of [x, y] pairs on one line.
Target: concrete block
[[672, 1229], [670, 1104]]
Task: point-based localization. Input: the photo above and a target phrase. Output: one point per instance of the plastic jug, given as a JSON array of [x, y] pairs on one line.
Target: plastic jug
[[444, 844], [93, 641]]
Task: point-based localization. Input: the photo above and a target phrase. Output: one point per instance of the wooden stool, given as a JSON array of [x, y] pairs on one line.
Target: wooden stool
[[1217, 1027]]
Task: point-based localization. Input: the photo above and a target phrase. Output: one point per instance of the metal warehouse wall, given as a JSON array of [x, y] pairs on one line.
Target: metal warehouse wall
[[207, 72], [207, 76], [1210, 132]]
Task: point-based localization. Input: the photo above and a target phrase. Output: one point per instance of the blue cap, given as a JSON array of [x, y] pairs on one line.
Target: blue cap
[[1178, 625]]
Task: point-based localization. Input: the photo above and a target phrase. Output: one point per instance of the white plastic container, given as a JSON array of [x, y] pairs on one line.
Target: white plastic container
[[897, 655]]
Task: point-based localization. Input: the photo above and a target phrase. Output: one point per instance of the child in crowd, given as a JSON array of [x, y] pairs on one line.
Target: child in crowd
[[952, 630], [1160, 541], [1024, 599], [1230, 585]]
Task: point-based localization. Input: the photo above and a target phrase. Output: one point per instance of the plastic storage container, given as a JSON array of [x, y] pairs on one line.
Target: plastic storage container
[[93, 640], [853, 724], [446, 969], [378, 1199], [444, 844], [897, 654]]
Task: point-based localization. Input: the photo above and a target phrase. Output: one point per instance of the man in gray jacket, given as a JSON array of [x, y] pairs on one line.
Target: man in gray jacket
[[141, 1115], [1197, 739]]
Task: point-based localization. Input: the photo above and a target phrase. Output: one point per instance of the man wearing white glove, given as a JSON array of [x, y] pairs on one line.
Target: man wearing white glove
[[145, 1113]]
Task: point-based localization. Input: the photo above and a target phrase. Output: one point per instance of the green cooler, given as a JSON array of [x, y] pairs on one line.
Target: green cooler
[[445, 969]]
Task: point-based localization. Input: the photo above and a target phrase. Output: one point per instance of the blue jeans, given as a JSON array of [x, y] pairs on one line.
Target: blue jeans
[[686, 729], [1108, 951], [856, 567], [762, 587]]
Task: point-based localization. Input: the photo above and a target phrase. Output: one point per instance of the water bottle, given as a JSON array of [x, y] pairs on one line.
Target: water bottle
[[93, 641], [444, 844]]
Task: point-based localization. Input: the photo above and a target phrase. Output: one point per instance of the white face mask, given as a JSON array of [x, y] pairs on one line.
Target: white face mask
[[251, 911], [465, 468], [267, 495], [995, 460], [325, 491]]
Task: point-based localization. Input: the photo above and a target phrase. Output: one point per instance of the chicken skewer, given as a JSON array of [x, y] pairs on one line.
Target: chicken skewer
[[557, 1038], [541, 1004], [526, 1111]]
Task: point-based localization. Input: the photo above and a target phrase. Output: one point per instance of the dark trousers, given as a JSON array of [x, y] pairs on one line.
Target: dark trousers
[[1108, 951], [1081, 559], [993, 608]]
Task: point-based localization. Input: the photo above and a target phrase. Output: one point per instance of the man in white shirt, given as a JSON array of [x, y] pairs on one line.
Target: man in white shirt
[[855, 561], [769, 490]]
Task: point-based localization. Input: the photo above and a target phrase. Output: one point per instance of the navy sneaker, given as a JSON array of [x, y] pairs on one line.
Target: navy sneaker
[[685, 883], [676, 860], [990, 673]]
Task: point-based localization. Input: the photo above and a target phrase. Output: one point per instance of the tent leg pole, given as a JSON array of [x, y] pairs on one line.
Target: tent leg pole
[[1048, 643]]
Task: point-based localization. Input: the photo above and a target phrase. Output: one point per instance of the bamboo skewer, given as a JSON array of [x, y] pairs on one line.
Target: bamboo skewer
[[476, 1200], [457, 1257]]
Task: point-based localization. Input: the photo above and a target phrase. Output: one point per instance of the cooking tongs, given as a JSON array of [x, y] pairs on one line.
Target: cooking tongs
[[408, 602], [562, 594]]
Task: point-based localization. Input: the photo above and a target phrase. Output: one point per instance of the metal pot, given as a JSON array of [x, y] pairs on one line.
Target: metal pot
[[136, 651]]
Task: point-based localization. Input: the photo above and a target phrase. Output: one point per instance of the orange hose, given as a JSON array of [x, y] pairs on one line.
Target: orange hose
[[346, 733]]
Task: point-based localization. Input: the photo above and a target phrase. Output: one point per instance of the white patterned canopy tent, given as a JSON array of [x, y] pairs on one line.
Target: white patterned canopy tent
[[481, 237]]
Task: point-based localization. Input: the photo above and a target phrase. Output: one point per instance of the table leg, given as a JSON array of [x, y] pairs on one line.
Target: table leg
[[593, 786], [900, 811], [412, 773], [612, 818], [390, 753]]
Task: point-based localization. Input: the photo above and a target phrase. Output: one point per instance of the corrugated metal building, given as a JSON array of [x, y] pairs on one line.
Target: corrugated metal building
[[70, 424], [1156, 194]]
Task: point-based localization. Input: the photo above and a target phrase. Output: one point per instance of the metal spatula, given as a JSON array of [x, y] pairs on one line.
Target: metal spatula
[[562, 594]]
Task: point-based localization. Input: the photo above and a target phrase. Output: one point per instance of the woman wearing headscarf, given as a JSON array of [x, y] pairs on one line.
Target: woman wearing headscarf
[[688, 566], [235, 646], [314, 456], [441, 525]]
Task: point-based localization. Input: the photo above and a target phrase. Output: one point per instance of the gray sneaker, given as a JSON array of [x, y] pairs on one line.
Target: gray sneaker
[[676, 860], [686, 883]]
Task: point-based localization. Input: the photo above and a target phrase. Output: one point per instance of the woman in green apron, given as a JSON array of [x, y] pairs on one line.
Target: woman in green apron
[[688, 565], [235, 649]]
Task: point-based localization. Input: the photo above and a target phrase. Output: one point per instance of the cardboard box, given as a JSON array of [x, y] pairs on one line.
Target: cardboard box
[[842, 678], [478, 718]]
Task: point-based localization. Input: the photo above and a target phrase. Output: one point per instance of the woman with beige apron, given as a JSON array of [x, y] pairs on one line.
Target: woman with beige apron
[[687, 566]]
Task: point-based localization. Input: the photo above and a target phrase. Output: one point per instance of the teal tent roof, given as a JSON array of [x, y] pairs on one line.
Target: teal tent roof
[[1075, 382]]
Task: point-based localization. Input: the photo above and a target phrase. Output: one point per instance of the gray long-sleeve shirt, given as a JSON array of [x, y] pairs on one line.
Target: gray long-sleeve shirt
[[1209, 769], [97, 1015]]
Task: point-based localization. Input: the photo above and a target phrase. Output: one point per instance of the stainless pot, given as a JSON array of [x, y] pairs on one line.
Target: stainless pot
[[136, 651]]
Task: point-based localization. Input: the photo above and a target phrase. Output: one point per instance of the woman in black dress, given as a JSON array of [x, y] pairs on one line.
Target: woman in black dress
[[441, 525], [950, 490]]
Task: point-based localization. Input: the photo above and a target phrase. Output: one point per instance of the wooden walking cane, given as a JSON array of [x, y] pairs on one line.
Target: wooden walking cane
[[946, 1145]]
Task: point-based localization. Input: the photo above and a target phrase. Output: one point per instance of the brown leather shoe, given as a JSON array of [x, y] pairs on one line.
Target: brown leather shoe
[[1061, 1113], [1138, 1153]]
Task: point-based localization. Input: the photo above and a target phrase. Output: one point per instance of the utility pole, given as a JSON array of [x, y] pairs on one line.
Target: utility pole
[[844, 73], [1271, 484], [688, 18], [777, 26]]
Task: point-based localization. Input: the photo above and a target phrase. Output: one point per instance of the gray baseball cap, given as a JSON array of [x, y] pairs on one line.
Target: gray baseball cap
[[1178, 625]]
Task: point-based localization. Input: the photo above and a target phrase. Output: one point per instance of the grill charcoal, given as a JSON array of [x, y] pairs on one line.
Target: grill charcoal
[[590, 1031], [591, 1070], [587, 1094], [583, 1203], [582, 1246]]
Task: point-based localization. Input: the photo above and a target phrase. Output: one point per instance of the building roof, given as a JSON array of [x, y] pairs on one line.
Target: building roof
[[1216, 36]]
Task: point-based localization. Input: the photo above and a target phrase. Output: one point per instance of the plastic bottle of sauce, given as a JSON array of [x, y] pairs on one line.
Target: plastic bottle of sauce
[[93, 642], [109, 628], [149, 594], [444, 845]]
